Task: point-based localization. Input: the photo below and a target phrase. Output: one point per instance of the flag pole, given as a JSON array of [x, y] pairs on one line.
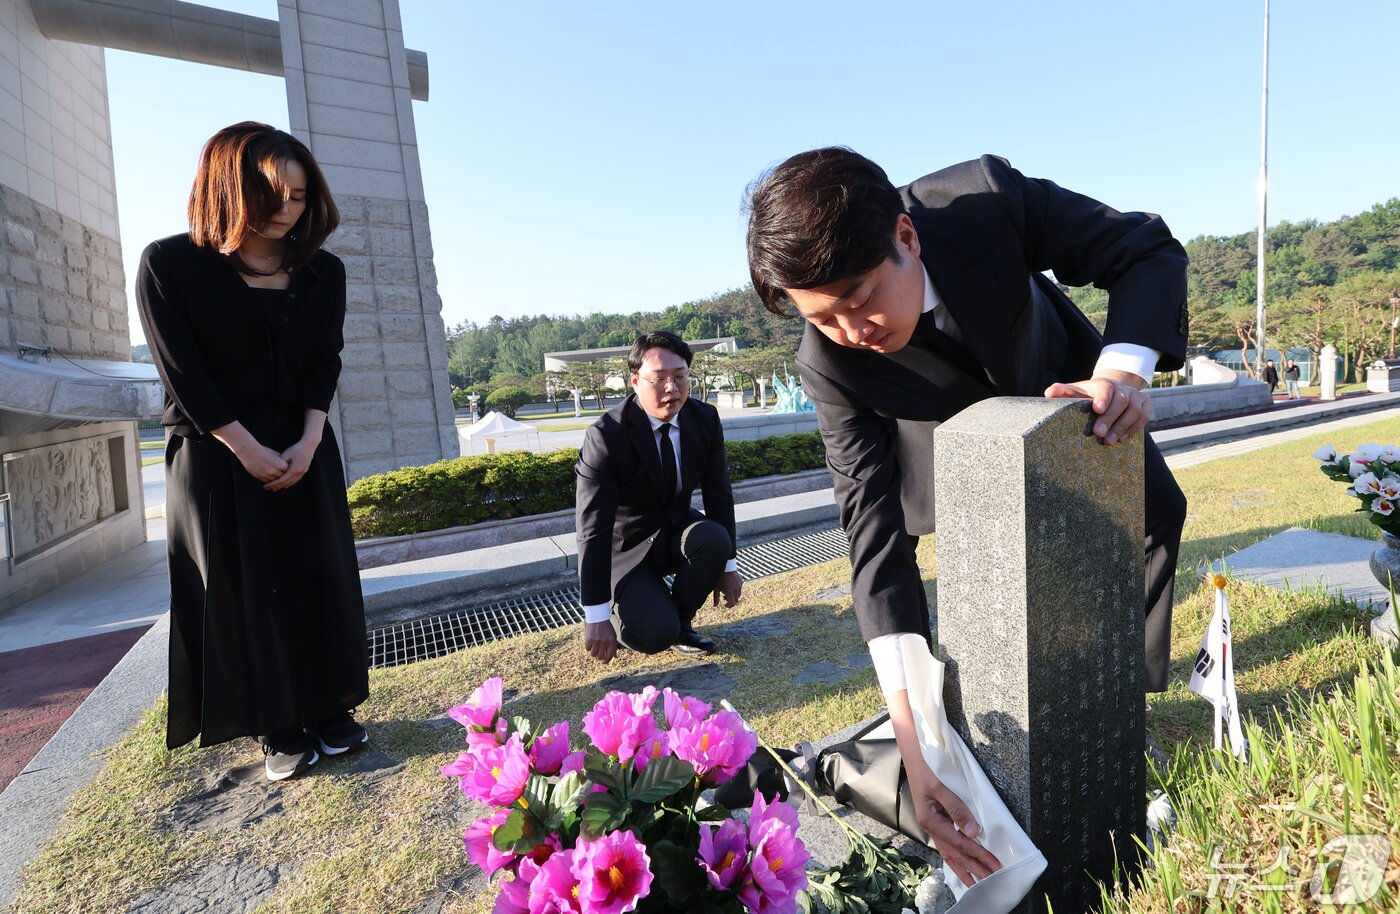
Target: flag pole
[[1263, 206], [1220, 704]]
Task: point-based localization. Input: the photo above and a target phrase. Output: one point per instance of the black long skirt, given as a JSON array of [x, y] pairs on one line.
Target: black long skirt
[[267, 626]]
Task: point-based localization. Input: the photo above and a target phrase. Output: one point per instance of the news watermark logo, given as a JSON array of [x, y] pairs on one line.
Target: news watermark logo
[[1350, 870]]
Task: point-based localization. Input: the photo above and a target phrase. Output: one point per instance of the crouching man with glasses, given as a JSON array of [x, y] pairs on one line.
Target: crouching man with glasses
[[639, 465]]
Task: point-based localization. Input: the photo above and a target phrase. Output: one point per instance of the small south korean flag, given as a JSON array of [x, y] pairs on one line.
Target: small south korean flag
[[1214, 675]]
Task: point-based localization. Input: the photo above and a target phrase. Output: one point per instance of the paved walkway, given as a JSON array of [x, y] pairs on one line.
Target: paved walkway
[[42, 686]]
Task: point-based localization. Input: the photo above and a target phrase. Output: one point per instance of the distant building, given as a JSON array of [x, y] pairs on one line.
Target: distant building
[[559, 361]]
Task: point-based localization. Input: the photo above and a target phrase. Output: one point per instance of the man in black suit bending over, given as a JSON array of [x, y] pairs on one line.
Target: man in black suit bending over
[[638, 467], [924, 299]]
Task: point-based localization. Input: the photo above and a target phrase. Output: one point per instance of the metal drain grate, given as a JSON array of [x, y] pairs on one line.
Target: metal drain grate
[[795, 552], [423, 639]]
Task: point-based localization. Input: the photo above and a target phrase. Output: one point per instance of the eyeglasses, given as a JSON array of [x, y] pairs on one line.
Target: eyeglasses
[[660, 382]]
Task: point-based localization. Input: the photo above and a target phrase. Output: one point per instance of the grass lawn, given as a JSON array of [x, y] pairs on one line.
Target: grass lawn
[[351, 844], [152, 452], [571, 427]]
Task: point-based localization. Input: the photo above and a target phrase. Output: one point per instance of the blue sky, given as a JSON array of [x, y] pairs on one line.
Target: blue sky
[[593, 157]]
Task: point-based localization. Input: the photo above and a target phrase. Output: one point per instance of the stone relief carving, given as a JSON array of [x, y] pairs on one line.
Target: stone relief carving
[[57, 491]]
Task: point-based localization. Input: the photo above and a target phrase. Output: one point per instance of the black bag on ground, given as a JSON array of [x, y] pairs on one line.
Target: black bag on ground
[[866, 773], [761, 774]]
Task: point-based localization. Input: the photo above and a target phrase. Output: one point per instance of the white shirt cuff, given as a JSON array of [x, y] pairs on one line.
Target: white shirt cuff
[[598, 612], [731, 565], [889, 663], [1130, 357]]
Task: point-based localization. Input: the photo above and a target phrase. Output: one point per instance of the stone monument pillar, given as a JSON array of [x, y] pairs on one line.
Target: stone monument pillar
[[1040, 619], [1327, 371], [762, 391], [348, 99]]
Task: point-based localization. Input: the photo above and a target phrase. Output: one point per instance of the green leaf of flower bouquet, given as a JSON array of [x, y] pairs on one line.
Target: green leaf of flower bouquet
[[569, 791], [535, 800], [603, 769], [602, 813], [520, 833], [713, 814], [677, 872], [661, 778], [522, 726]]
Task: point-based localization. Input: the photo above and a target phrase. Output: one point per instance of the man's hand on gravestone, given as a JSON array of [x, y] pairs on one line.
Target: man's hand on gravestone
[[1124, 408], [731, 586], [600, 640]]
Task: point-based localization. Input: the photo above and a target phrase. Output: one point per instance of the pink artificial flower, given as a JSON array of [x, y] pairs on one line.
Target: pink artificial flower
[[643, 700], [619, 723], [550, 748], [764, 815], [555, 888], [614, 873], [682, 712], [724, 854], [514, 896], [572, 762], [654, 747], [717, 747], [499, 775], [778, 868], [777, 872], [465, 764], [481, 849], [482, 708]]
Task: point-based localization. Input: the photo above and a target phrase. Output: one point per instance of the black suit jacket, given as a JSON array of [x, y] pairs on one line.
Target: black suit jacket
[[986, 233], [622, 504]]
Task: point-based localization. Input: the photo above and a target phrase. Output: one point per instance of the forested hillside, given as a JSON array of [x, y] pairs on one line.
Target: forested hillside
[[1336, 282], [1333, 282], [516, 346]]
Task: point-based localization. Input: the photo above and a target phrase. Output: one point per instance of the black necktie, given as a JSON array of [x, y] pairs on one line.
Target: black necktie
[[947, 347], [668, 461]]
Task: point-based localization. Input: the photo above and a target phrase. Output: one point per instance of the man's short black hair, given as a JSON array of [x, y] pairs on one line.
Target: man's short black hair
[[818, 217], [657, 339]]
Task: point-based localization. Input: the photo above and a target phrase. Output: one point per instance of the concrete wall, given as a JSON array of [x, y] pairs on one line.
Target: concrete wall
[[766, 425], [348, 98], [61, 280], [1238, 396], [78, 513], [76, 498]]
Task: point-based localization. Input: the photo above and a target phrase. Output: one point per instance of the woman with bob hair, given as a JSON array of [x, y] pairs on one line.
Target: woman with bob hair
[[243, 315]]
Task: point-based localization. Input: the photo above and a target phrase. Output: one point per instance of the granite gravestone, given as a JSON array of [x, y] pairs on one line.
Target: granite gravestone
[[1040, 596]]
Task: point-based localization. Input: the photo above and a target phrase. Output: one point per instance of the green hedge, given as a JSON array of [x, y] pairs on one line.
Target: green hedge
[[469, 490]]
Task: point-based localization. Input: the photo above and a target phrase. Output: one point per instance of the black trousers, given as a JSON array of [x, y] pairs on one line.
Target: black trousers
[[649, 617], [1164, 509]]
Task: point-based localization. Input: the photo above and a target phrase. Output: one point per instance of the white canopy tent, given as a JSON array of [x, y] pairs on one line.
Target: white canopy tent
[[492, 427]]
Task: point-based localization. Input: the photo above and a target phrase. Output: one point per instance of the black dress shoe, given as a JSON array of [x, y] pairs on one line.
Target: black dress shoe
[[693, 644]]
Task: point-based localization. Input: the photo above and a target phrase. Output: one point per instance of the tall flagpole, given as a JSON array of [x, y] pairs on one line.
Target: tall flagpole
[[1263, 206]]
